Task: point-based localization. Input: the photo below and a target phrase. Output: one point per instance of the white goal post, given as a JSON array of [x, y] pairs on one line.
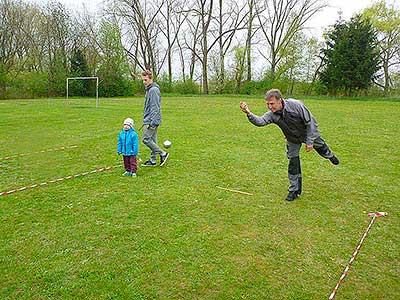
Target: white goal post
[[84, 78]]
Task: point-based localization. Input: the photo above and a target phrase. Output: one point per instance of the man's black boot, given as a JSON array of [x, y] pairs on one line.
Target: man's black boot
[[292, 195]]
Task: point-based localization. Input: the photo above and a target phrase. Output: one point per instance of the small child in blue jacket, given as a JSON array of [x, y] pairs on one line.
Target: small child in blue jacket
[[128, 146]]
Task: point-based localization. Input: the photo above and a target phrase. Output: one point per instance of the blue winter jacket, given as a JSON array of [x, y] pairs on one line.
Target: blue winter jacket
[[128, 142]]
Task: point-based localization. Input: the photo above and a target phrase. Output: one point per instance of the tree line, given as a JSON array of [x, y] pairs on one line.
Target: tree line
[[196, 46]]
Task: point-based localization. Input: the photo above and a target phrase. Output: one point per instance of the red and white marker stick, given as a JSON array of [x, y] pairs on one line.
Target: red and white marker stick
[[353, 257], [42, 151], [57, 180], [235, 191]]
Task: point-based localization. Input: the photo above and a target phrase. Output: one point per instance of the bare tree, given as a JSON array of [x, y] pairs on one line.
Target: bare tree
[[58, 44], [239, 64], [222, 27], [35, 32], [243, 54], [199, 19], [13, 40], [141, 22], [280, 20], [386, 21], [192, 41], [181, 58], [203, 12], [250, 34], [229, 20], [34, 39], [172, 19], [86, 34]]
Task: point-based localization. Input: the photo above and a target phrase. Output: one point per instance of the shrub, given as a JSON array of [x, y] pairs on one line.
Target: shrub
[[136, 87], [28, 85], [249, 88], [187, 87]]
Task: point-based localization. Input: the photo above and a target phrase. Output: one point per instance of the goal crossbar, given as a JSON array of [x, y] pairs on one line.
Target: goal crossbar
[[83, 78]]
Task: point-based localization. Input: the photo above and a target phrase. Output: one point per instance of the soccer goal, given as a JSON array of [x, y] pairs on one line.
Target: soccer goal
[[85, 78]]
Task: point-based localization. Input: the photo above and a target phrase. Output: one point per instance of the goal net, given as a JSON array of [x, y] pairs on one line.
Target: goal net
[[85, 78]]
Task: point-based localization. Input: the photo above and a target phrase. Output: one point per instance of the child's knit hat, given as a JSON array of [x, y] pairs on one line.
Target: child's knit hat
[[128, 121]]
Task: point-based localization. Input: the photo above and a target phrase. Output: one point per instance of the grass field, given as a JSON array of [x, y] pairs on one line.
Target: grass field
[[170, 233]]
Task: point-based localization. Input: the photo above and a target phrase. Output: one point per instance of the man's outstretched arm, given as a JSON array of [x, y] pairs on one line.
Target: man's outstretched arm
[[255, 120]]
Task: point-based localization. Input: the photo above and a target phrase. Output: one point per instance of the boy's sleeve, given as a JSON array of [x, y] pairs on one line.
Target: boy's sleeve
[[154, 95]]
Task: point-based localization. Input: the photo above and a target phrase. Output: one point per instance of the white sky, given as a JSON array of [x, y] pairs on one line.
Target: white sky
[[323, 19], [315, 26], [330, 14]]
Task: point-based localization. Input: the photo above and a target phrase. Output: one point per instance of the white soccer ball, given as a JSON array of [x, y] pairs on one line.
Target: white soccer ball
[[167, 144]]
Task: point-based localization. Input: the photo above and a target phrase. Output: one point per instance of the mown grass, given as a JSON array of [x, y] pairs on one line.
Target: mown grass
[[170, 233]]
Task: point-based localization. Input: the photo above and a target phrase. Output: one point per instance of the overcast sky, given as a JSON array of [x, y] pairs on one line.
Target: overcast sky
[[315, 27], [330, 14], [323, 19]]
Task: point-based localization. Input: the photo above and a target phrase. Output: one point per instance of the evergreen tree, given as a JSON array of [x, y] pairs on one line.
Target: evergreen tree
[[350, 58], [79, 68]]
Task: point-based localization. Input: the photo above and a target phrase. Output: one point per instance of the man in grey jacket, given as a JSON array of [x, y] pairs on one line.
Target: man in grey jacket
[[152, 119], [299, 126]]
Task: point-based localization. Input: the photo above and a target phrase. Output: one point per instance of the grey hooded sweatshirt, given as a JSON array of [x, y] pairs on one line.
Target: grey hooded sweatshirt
[[295, 120], [152, 105]]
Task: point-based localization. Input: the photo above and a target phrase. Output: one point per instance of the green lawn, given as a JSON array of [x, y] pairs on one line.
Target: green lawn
[[170, 233]]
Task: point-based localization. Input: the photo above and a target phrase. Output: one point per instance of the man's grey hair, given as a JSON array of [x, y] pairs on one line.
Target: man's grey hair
[[273, 93]]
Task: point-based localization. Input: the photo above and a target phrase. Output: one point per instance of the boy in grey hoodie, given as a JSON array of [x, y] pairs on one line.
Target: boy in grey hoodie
[[152, 119]]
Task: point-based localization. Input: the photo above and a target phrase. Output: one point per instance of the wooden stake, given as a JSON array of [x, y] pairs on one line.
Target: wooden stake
[[235, 191]]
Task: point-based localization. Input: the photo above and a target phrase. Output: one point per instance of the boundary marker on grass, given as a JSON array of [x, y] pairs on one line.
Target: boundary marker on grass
[[57, 180], [353, 257], [235, 191], [42, 151]]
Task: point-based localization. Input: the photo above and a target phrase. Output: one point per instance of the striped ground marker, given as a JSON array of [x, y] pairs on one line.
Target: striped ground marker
[[353, 257], [42, 151], [235, 191], [57, 180]]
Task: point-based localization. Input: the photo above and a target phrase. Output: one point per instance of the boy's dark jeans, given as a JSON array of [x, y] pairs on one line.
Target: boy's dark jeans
[[130, 163]]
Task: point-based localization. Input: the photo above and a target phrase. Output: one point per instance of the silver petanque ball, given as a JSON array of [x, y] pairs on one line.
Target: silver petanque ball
[[167, 144]]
